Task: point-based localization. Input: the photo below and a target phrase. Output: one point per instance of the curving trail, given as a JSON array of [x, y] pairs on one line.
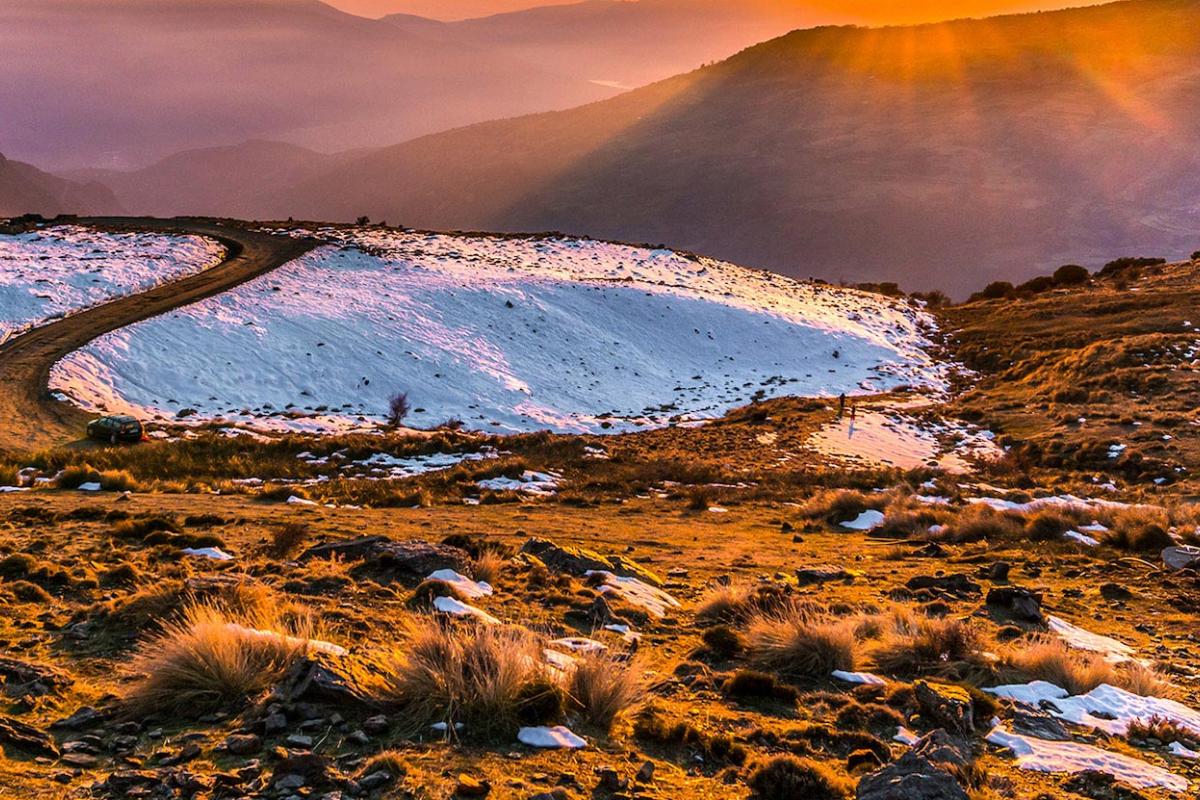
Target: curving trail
[[30, 418]]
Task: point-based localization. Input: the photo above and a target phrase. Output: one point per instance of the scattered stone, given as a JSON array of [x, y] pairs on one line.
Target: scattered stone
[[26, 738], [472, 787], [944, 749], [84, 717], [1029, 721], [243, 744], [646, 773], [1115, 591], [998, 572], [911, 777], [579, 561], [824, 574], [1101, 786], [1019, 602], [946, 706], [338, 680], [376, 725], [410, 560], [955, 585], [299, 740], [376, 780]]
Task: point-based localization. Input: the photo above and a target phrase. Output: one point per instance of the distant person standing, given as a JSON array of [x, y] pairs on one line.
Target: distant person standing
[[853, 411], [841, 405]]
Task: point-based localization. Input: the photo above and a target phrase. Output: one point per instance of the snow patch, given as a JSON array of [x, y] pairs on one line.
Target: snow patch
[[556, 738], [461, 583], [1071, 757], [457, 608], [637, 592]]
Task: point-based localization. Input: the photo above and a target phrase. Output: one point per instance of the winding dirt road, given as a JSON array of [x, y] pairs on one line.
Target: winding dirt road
[[30, 418]]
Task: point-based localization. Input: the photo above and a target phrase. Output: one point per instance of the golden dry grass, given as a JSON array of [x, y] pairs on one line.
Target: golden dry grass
[[801, 646]]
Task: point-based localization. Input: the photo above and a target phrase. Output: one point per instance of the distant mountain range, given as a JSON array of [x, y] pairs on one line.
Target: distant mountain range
[[938, 156], [26, 189]]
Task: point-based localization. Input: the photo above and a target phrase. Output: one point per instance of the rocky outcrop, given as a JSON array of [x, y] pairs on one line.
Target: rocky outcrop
[[579, 561], [384, 559]]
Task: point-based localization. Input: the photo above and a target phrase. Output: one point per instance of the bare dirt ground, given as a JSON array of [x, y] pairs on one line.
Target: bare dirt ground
[[33, 418]]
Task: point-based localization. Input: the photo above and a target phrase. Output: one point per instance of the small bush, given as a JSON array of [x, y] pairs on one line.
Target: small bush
[[800, 646], [789, 778], [724, 641], [981, 522], [1047, 525], [211, 659], [1071, 275], [118, 480], [740, 602], [836, 506], [487, 565], [287, 538], [28, 592], [398, 408], [916, 646], [996, 290], [1138, 530], [1050, 659], [603, 688], [490, 679], [75, 476], [1161, 729], [749, 684]]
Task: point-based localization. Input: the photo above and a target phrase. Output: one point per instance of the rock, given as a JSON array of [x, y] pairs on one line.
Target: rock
[[327, 678], [120, 783], [1101, 786], [1019, 602], [298, 740], [946, 706], [472, 787], [955, 585], [274, 723], [84, 717], [1115, 591], [809, 575], [1182, 557], [646, 773], [911, 777], [243, 744], [376, 780], [998, 571], [611, 780], [26, 738], [943, 749], [376, 725], [312, 770], [410, 560], [24, 679], [578, 561], [1029, 721]]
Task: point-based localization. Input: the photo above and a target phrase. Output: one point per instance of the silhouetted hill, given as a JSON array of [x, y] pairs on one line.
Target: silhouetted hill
[[940, 156], [26, 189]]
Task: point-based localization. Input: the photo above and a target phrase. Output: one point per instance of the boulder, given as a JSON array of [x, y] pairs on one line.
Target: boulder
[[26, 738], [824, 574], [946, 706], [1029, 721], [379, 556], [1018, 602], [579, 561], [1182, 557], [944, 749], [23, 678], [911, 777], [954, 585], [338, 680]]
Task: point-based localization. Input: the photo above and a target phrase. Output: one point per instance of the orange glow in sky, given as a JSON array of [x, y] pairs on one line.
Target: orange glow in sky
[[867, 12]]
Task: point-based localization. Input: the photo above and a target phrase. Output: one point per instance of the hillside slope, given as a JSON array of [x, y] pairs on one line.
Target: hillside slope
[[25, 189], [136, 81], [940, 156], [505, 334]]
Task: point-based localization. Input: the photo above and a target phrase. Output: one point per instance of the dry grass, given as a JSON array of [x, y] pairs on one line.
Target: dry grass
[[1162, 730], [1139, 529], [604, 688], [980, 522], [837, 505], [801, 646], [487, 565], [789, 778], [287, 538], [490, 679], [912, 645], [1050, 659], [211, 659], [740, 602]]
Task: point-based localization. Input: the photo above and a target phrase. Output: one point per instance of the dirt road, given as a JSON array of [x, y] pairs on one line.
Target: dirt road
[[30, 418]]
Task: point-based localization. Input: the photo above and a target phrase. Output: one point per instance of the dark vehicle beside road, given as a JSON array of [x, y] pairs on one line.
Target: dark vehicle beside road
[[113, 429]]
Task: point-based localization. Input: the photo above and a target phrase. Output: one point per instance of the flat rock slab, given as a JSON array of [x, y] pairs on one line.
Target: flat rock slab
[[26, 738], [380, 556], [579, 561]]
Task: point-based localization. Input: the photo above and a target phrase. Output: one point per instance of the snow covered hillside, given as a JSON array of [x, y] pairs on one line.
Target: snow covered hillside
[[53, 272], [506, 334]]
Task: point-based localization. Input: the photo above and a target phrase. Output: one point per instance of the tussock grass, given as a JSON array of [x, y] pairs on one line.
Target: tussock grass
[[287, 538], [912, 646], [604, 688], [487, 565], [980, 522], [788, 777], [1050, 659], [1139, 529], [739, 602], [212, 658], [491, 679], [799, 645], [838, 505]]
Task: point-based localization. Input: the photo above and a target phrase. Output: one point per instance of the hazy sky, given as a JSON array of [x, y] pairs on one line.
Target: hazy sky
[[863, 11]]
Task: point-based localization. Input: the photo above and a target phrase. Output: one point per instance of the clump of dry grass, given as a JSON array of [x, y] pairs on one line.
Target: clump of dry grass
[[1048, 525], [287, 538], [604, 688], [487, 565], [740, 602], [837, 505], [390, 761], [799, 645], [491, 679], [1139, 529], [912, 645], [980, 522], [75, 476], [787, 777], [211, 658], [1162, 730], [1050, 659]]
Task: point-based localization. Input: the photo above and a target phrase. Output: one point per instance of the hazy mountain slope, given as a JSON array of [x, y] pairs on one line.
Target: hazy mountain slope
[[942, 155], [26, 189], [92, 83], [218, 181]]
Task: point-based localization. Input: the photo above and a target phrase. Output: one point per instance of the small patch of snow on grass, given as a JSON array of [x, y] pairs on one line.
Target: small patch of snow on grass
[[1072, 757], [637, 592], [464, 585], [556, 738], [457, 608], [865, 521]]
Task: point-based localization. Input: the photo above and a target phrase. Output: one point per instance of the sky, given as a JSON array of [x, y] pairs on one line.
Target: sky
[[870, 12]]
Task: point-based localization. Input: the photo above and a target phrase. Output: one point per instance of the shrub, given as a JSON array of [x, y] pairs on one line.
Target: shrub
[[740, 602], [118, 480], [724, 641], [1196, 256], [1036, 285], [747, 683], [835, 506], [800, 646], [398, 408], [1163, 730], [1071, 275], [212, 658], [1050, 659], [1047, 525], [979, 522], [788, 777], [1138, 530], [1119, 265], [603, 688], [287, 538], [996, 290], [9, 475], [490, 679], [921, 645], [75, 476], [487, 564]]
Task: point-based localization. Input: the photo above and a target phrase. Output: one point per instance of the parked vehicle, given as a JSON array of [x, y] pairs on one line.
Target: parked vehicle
[[118, 428]]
